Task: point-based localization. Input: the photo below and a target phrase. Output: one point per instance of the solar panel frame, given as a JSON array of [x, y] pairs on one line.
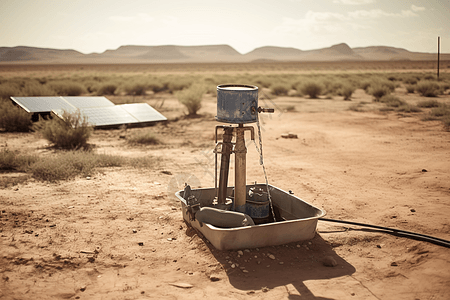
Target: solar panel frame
[[42, 104], [143, 112]]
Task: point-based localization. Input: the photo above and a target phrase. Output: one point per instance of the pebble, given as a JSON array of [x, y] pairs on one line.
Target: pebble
[[244, 271], [281, 263], [240, 252], [394, 264], [233, 266], [329, 261], [214, 278], [271, 256]]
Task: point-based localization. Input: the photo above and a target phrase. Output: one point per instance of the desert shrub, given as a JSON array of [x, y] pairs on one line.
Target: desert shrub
[[261, 81], [378, 91], [107, 89], [365, 84], [444, 86], [34, 88], [311, 88], [408, 108], [347, 91], [70, 132], [428, 103], [410, 88], [392, 78], [178, 84], [68, 165], [14, 119], [392, 101], [211, 89], [143, 138], [157, 86], [446, 122], [410, 80], [428, 88], [136, 89], [13, 161], [333, 87], [142, 162], [280, 89], [67, 88], [192, 98], [7, 90], [440, 111]]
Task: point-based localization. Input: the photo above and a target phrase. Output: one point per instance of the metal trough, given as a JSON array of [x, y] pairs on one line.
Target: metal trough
[[297, 221]]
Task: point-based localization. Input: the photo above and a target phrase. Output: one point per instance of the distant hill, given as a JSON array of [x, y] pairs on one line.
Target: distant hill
[[208, 53]]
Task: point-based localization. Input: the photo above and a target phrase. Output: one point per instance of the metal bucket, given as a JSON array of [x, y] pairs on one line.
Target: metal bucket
[[237, 103], [257, 203]]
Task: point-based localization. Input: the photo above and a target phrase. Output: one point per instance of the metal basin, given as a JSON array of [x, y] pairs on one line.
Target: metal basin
[[298, 221]]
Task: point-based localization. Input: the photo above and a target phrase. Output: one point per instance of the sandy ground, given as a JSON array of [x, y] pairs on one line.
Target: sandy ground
[[119, 234]]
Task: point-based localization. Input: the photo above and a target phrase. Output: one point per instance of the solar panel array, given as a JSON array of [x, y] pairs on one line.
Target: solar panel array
[[99, 111]]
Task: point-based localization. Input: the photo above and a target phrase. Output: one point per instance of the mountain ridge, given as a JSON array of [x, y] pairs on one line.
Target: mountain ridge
[[208, 54]]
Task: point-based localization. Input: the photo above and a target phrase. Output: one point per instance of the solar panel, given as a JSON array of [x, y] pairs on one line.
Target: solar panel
[[143, 112], [82, 102], [99, 111], [42, 104], [104, 116]]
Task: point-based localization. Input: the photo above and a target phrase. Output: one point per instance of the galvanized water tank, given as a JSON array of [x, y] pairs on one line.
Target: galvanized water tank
[[237, 103]]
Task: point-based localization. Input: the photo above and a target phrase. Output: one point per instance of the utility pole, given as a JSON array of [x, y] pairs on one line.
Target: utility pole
[[439, 53]]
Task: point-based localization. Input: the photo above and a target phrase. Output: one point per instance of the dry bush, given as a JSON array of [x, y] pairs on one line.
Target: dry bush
[[392, 101], [7, 90], [107, 89], [378, 91], [311, 88], [192, 98], [70, 132], [136, 89], [280, 89], [13, 161], [34, 88], [178, 84], [68, 165], [13, 118], [143, 138], [158, 86], [346, 91], [67, 88], [428, 88], [429, 103], [410, 88]]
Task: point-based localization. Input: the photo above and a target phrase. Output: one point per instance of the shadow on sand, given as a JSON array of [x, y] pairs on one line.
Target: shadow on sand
[[294, 264]]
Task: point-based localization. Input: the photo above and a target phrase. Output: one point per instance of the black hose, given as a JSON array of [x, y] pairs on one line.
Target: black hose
[[397, 232]]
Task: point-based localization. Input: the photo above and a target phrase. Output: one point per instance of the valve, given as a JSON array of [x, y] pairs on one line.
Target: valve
[[260, 110], [265, 110]]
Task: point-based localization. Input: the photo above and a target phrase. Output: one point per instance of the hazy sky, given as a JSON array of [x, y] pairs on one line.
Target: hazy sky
[[95, 26]]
